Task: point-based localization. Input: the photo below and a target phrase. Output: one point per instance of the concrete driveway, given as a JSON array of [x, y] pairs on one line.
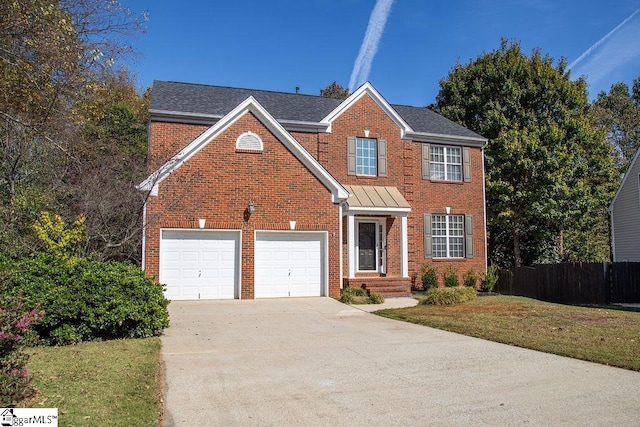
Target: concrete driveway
[[317, 362]]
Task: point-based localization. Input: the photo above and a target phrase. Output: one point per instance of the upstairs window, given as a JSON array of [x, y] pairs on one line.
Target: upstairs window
[[445, 163], [366, 157]]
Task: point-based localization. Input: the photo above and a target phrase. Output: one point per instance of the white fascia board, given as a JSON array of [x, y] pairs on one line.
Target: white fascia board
[[210, 119], [624, 180], [367, 89], [376, 211], [447, 139], [302, 126], [248, 105]]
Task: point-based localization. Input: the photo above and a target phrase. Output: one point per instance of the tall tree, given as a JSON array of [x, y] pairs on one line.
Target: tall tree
[[547, 165], [112, 154], [50, 52], [618, 114], [335, 90]]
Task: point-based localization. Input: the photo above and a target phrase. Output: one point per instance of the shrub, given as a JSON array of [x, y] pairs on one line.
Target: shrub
[[451, 277], [15, 321], [470, 278], [86, 300], [375, 298], [428, 276], [58, 238], [360, 296], [490, 279], [449, 296]]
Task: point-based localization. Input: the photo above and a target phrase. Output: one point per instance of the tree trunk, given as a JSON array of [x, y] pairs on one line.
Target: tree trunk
[[517, 258]]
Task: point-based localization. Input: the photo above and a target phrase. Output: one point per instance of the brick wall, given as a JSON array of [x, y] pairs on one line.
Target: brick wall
[[218, 183]]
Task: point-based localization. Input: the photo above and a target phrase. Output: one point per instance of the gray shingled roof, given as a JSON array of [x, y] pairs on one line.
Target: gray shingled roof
[[217, 101]]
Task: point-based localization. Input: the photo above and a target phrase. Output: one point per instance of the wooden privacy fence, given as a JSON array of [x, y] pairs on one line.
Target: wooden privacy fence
[[574, 283]]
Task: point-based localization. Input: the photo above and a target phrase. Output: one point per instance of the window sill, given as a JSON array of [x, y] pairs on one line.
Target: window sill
[[439, 181], [448, 259]]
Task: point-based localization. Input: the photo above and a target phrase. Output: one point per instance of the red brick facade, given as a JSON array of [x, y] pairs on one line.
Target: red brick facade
[[218, 182]]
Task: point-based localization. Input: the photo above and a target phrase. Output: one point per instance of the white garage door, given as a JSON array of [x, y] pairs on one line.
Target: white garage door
[[199, 264], [289, 264]]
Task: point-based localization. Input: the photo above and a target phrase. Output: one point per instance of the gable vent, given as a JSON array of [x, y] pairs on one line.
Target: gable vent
[[249, 141]]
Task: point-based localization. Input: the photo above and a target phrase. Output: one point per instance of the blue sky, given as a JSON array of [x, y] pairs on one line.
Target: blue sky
[[412, 44]]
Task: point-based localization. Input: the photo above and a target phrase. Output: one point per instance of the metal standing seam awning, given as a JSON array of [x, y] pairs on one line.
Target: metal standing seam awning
[[372, 200]]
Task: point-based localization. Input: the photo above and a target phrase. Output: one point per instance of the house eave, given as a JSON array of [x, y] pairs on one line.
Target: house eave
[[376, 211], [447, 139], [210, 119]]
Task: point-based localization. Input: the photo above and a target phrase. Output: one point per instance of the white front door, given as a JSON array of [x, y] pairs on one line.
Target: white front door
[[289, 264], [371, 245]]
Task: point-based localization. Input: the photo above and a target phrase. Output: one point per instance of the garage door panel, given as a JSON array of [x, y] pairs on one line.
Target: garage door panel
[[197, 264], [288, 264]]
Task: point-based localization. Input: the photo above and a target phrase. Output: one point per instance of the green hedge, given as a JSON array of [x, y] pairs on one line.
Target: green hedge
[[449, 296], [86, 300]]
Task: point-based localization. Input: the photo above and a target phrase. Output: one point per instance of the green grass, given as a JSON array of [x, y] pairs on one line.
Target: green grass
[[114, 383], [606, 335]]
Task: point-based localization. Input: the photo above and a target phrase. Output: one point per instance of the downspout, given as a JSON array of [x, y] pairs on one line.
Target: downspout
[[144, 233], [340, 245], [484, 207]]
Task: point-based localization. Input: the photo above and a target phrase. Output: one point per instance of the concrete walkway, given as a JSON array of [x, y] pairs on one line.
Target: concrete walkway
[[317, 362]]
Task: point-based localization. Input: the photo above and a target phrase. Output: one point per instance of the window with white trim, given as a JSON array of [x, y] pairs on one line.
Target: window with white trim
[[445, 163], [366, 156], [447, 236]]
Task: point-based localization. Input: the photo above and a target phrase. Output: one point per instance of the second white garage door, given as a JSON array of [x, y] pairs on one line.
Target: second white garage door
[[289, 264]]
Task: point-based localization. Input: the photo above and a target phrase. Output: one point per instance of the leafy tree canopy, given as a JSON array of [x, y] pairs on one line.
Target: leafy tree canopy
[[334, 90], [61, 98], [547, 165], [618, 114]]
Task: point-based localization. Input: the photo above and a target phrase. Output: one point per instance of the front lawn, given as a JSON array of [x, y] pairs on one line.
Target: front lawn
[[114, 383], [606, 335]]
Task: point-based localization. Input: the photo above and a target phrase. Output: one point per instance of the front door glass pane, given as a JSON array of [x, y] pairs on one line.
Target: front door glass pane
[[367, 246]]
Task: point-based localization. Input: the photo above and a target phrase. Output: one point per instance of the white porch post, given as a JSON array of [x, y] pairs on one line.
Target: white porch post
[[404, 247], [351, 245]]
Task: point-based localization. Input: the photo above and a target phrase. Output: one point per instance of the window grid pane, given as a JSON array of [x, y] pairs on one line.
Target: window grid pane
[[366, 156], [447, 236], [445, 163]]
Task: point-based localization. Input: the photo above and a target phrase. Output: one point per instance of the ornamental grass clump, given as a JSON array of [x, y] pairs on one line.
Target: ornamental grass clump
[[449, 296], [360, 296]]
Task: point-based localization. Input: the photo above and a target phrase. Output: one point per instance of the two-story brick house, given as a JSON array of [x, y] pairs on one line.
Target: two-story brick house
[[268, 194]]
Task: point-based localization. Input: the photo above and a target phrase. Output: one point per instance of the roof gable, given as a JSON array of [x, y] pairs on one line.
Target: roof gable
[[367, 89], [249, 105], [630, 170]]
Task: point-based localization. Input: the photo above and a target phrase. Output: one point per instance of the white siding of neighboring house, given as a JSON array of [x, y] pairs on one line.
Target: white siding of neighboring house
[[626, 216]]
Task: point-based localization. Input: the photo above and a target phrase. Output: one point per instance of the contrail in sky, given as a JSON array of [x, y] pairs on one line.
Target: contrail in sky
[[370, 43], [602, 40]]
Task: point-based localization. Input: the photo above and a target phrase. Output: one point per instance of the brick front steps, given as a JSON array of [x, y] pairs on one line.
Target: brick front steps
[[388, 287]]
